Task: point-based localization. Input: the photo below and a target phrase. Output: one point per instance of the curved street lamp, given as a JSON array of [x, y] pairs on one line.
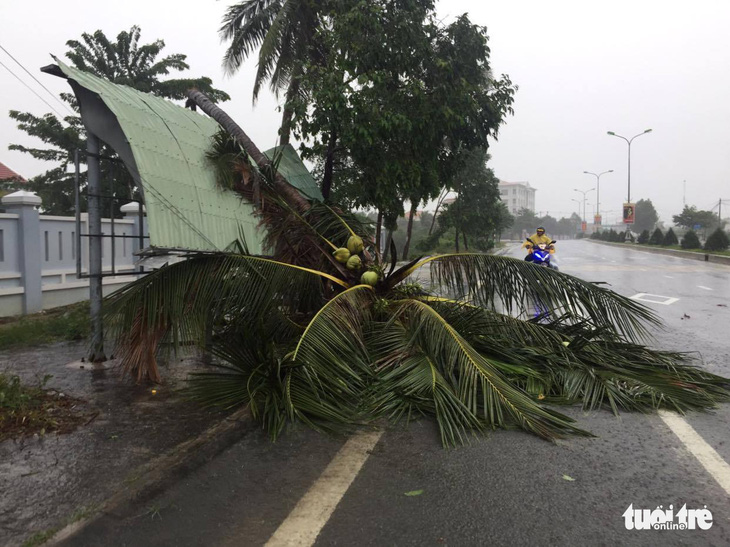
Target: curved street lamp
[[584, 200], [598, 188], [628, 141]]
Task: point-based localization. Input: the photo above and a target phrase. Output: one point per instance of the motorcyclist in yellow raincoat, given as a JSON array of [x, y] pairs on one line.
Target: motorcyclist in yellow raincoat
[[539, 238]]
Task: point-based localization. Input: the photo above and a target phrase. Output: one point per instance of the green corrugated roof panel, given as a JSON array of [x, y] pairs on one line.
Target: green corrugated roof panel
[[290, 165], [185, 207]]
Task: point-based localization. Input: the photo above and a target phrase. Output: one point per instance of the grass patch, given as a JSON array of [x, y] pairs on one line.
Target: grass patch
[[39, 538], [26, 410], [56, 325]]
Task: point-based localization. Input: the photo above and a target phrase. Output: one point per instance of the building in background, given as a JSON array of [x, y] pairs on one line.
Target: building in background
[[517, 196]]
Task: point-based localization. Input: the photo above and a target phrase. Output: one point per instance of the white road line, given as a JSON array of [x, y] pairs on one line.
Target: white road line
[[654, 298], [669, 276], [706, 288], [698, 447], [305, 522]]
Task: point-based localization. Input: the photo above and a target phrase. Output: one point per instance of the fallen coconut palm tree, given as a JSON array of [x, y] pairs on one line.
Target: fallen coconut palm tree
[[321, 332]]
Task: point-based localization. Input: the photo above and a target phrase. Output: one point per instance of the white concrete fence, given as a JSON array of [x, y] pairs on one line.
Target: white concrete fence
[[38, 255]]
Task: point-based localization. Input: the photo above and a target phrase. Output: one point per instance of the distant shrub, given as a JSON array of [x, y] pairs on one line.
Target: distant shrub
[[718, 241], [644, 237], [691, 241], [670, 238], [657, 238]]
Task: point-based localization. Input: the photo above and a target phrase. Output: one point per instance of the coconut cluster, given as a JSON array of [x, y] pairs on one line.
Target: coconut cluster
[[349, 256]]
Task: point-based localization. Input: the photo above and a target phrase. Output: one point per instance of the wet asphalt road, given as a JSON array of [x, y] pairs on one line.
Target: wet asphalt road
[[506, 489]]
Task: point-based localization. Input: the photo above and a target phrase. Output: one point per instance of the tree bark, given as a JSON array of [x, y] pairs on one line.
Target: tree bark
[[407, 245], [457, 238], [466, 244], [378, 231], [329, 165], [439, 202], [286, 117], [281, 185]]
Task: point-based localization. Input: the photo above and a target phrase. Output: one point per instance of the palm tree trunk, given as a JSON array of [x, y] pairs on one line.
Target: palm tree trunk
[[286, 190], [407, 245], [329, 165], [286, 118]]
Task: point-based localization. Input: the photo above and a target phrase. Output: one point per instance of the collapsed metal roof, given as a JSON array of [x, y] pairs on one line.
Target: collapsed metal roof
[[163, 146]]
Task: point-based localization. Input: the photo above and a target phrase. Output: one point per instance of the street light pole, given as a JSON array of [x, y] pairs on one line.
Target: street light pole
[[584, 200], [598, 189], [628, 141]]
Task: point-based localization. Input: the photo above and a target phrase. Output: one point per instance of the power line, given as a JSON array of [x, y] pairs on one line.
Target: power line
[[38, 81], [33, 90]]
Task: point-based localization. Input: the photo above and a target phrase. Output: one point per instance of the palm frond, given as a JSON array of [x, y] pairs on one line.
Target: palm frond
[[183, 298], [515, 287], [478, 384]]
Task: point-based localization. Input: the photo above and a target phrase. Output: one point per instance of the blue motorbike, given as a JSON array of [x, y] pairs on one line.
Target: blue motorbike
[[540, 254]]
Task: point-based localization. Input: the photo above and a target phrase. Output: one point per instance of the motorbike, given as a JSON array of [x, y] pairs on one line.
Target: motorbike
[[541, 254]]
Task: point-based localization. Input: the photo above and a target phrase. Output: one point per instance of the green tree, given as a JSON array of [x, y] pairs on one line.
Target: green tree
[[477, 214], [646, 216], [124, 61], [644, 237], [670, 238], [525, 221], [657, 238], [691, 218], [718, 241], [395, 100], [285, 34], [691, 241]]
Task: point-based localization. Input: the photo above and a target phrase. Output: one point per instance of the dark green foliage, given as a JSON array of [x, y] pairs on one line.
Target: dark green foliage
[[644, 237], [646, 215], [691, 241], [657, 238], [690, 218], [670, 238], [717, 241]]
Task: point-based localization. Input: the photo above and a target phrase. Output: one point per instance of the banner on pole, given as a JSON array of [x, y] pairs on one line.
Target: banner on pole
[[629, 213]]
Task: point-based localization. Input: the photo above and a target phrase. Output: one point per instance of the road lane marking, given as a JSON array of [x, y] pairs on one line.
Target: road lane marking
[[706, 288], [654, 298], [306, 521], [698, 447], [669, 276]]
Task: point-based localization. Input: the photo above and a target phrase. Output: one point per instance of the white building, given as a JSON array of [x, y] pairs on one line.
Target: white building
[[517, 196]]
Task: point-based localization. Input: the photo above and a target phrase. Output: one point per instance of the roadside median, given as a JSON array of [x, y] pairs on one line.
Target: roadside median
[[691, 255]]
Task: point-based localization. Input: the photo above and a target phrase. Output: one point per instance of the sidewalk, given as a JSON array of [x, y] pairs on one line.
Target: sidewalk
[[49, 482]]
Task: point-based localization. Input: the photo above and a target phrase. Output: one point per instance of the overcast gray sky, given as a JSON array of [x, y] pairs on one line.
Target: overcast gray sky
[[583, 68]]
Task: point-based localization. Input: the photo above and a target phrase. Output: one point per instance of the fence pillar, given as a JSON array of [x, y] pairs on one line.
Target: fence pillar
[[132, 211], [23, 204]]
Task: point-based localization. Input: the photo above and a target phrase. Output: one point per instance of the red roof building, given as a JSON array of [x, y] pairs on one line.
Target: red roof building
[[8, 174]]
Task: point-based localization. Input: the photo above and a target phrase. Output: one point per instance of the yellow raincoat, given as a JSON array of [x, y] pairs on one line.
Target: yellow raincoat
[[537, 239]]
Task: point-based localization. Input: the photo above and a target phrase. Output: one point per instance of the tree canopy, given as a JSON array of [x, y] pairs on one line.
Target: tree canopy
[[692, 219], [646, 216]]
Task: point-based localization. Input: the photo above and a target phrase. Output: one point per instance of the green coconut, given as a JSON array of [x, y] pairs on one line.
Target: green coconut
[[354, 245], [354, 263], [342, 255], [369, 278]]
